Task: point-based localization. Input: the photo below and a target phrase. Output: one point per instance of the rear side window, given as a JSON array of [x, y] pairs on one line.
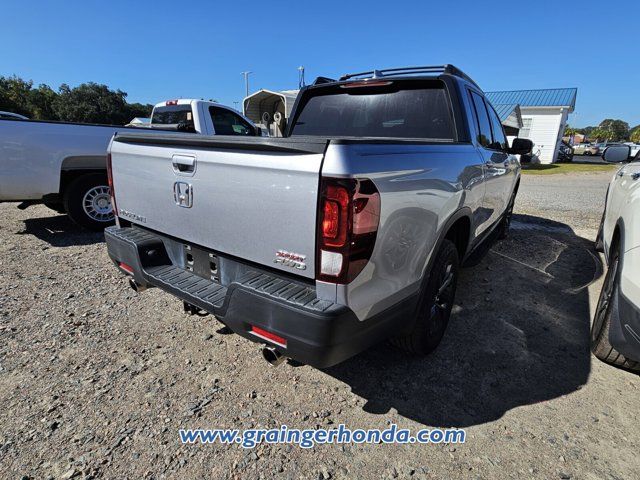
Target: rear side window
[[226, 122], [398, 110], [484, 124], [172, 114], [499, 139]]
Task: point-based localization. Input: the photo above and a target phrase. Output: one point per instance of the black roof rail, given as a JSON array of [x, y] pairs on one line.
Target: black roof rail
[[389, 72], [321, 80]]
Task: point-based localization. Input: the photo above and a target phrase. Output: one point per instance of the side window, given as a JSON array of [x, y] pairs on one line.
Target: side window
[[226, 122], [484, 125], [499, 139]]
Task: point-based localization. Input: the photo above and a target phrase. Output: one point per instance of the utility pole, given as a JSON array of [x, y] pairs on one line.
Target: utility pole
[[236, 104], [246, 82], [300, 77]]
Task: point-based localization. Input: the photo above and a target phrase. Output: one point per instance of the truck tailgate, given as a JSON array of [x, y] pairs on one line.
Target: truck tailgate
[[245, 197]]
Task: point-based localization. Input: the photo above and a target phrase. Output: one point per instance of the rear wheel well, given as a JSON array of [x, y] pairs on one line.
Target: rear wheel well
[[615, 241], [458, 233], [68, 176]]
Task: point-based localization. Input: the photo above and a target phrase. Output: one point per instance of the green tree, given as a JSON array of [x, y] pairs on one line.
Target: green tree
[[14, 95], [635, 134], [569, 130], [41, 103], [138, 110], [600, 135], [91, 103], [617, 129]]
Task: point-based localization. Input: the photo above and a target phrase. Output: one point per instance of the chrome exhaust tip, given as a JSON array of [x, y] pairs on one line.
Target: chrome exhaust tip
[[272, 356], [136, 286]]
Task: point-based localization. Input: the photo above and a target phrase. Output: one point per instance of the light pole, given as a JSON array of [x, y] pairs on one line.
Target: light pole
[[246, 82]]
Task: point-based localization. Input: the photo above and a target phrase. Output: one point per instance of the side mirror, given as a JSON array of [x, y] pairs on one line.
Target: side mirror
[[616, 153], [521, 146]]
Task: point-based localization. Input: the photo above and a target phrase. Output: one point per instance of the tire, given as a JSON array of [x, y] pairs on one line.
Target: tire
[[505, 223], [87, 202], [435, 303], [607, 308]]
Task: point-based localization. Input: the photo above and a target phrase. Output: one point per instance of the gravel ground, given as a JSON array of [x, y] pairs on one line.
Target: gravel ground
[[95, 380]]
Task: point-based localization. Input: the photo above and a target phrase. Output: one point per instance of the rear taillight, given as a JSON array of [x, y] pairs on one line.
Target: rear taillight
[[349, 214], [110, 183]]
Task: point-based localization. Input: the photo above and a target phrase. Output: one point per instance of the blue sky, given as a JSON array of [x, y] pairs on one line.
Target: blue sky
[[166, 49]]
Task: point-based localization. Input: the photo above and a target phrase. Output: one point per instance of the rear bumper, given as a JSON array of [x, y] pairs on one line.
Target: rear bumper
[[317, 332]]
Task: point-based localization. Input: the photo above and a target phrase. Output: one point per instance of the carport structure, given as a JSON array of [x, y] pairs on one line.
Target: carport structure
[[270, 109]]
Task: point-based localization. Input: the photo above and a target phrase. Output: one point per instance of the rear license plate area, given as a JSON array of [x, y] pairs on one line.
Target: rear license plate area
[[202, 263]]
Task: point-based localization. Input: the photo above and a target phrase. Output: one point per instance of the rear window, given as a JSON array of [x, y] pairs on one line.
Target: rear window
[[172, 114], [399, 110]]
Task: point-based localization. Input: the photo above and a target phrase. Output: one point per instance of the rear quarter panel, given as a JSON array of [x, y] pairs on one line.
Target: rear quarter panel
[[421, 186]]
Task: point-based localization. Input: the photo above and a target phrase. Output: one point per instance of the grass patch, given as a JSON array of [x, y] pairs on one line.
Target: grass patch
[[556, 168]]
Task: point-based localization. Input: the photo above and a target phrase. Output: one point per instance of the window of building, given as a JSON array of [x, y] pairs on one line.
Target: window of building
[[525, 131]]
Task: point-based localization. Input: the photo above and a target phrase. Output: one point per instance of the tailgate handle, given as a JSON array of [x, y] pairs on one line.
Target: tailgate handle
[[183, 163]]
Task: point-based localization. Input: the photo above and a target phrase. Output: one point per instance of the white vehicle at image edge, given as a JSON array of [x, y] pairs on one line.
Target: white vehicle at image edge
[[63, 165], [615, 333]]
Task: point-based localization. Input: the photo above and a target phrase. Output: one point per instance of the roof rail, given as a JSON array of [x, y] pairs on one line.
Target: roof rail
[[321, 80], [389, 72]]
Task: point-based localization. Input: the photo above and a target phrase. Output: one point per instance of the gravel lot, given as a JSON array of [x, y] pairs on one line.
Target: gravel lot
[[95, 380]]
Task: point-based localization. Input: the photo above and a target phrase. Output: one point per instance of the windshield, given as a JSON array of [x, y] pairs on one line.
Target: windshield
[[172, 114], [396, 110]]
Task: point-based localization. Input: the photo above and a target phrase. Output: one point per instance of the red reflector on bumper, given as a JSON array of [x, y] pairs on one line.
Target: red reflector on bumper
[[272, 337], [126, 268]]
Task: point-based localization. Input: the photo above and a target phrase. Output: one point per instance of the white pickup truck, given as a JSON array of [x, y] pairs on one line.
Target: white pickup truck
[[63, 165]]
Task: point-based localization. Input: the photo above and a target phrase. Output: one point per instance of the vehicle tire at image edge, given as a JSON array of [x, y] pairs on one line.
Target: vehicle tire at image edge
[[435, 304], [608, 307], [87, 201]]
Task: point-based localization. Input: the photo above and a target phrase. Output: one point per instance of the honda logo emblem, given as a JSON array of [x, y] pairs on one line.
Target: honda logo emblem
[[183, 194]]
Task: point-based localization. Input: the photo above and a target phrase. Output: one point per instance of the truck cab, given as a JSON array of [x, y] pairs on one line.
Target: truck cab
[[204, 117]]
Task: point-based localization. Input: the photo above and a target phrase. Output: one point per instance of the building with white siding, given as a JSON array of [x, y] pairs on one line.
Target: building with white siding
[[544, 116]]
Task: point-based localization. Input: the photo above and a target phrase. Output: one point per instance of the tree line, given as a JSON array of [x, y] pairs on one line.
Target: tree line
[[87, 103], [608, 130]]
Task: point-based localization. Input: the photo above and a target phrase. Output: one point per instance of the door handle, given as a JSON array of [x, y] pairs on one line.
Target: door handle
[[635, 176], [184, 163]]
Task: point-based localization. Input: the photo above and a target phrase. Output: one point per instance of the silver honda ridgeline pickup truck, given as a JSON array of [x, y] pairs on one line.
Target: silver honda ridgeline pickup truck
[[349, 230]]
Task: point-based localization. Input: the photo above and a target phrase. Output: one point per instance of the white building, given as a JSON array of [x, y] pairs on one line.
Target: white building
[[544, 116]]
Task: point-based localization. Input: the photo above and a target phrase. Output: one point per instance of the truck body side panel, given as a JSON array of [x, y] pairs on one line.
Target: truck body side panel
[[421, 186], [32, 154]]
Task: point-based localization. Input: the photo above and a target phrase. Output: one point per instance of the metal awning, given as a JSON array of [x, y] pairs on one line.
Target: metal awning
[[510, 115]]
